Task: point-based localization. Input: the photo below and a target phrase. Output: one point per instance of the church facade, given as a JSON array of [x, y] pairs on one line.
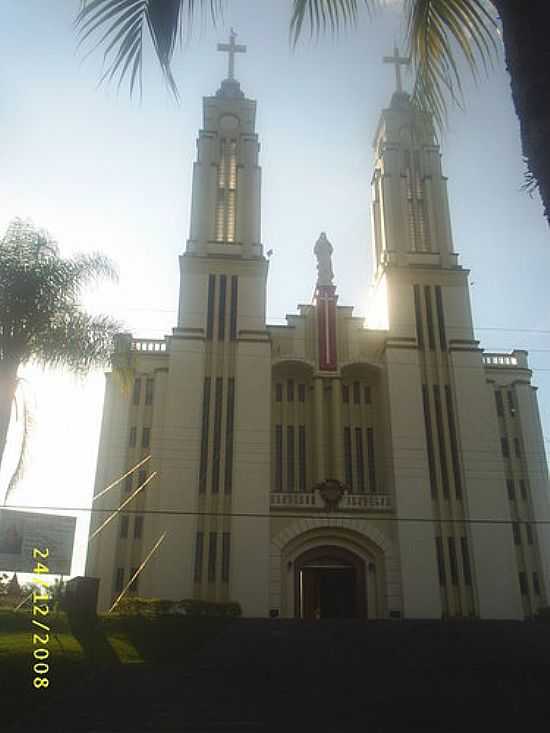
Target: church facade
[[335, 466]]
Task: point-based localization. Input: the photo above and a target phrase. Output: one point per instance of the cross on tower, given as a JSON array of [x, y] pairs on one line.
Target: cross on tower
[[399, 61], [232, 48]]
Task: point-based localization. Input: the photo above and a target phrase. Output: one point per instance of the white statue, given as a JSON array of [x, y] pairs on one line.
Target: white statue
[[323, 251]]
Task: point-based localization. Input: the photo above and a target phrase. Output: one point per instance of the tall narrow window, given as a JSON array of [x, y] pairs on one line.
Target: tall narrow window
[[536, 585], [119, 579], [359, 460], [418, 316], [149, 387], [142, 475], [133, 433], [440, 318], [290, 390], [347, 457], [510, 487], [440, 560], [199, 543], [505, 447], [367, 395], [441, 437], [278, 457], [429, 441], [217, 435], [212, 551], [290, 457], [529, 532], [128, 483], [454, 442], [134, 584], [138, 527], [301, 393], [523, 489], [499, 403], [234, 307], [511, 404], [523, 583], [137, 391], [466, 561], [204, 435], [356, 393], [517, 447], [146, 438], [221, 311], [372, 461], [226, 547], [230, 419], [210, 311], [453, 562], [278, 392], [345, 393], [517, 534], [429, 316], [124, 519], [302, 457], [227, 186]]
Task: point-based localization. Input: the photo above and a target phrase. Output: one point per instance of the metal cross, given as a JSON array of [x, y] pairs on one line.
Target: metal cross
[[232, 48], [399, 61]]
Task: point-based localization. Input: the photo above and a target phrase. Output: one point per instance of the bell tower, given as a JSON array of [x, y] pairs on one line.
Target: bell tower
[[442, 417], [218, 460]]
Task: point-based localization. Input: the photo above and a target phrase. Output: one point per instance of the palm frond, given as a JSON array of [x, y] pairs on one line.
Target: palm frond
[[78, 341], [121, 24], [323, 15], [436, 31]]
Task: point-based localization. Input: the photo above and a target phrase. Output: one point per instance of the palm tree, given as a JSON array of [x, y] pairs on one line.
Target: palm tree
[[438, 32], [41, 319]]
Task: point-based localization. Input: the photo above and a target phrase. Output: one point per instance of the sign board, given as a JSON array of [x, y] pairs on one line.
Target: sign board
[[22, 532]]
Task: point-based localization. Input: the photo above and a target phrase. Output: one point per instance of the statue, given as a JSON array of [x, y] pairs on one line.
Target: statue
[[323, 251]]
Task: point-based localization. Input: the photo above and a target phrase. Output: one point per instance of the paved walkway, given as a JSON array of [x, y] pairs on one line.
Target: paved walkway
[[328, 677]]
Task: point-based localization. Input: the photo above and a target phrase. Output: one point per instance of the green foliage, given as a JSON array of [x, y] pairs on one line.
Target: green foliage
[[121, 25], [543, 614], [41, 318], [40, 313], [154, 607]]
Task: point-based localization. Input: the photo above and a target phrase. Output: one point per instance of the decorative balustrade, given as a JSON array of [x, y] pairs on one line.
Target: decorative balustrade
[[497, 360], [349, 502], [149, 345]]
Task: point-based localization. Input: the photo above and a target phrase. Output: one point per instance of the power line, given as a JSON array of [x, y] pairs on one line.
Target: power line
[[257, 515]]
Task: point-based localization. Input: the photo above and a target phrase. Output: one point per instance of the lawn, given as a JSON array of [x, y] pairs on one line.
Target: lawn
[[75, 655]]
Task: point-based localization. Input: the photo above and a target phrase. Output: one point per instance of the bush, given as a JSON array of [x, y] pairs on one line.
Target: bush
[[543, 614], [191, 607], [134, 606]]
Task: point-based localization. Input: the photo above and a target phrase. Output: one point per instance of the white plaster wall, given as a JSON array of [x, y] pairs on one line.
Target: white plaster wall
[[250, 537], [420, 583], [537, 473], [492, 549]]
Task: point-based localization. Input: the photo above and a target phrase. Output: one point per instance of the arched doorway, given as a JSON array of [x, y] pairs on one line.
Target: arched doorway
[[329, 583]]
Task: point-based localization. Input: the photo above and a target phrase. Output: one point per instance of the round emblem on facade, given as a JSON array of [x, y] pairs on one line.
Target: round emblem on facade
[[331, 491], [229, 122]]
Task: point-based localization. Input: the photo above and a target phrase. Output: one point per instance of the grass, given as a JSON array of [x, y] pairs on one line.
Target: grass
[[86, 653]]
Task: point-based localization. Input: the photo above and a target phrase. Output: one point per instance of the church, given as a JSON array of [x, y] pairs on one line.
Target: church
[[383, 467]]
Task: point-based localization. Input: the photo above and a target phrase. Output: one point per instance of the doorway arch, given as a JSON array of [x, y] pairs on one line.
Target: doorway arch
[[330, 582]]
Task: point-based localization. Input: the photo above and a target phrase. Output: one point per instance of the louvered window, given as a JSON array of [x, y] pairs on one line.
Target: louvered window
[[227, 192]]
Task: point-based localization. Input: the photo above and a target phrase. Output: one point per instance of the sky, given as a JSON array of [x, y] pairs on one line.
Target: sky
[[102, 171]]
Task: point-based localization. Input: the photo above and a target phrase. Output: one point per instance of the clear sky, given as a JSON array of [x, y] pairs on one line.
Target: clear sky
[[103, 172]]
